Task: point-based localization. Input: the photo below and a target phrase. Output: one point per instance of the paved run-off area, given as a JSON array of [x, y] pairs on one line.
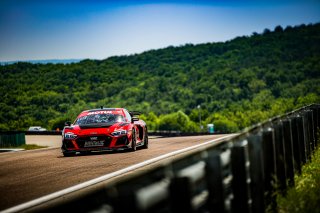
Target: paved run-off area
[[44, 140]]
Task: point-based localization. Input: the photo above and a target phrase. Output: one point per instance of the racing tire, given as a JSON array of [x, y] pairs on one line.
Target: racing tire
[[145, 140], [133, 141]]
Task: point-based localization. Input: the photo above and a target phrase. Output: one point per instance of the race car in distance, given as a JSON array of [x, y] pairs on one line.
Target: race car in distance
[[104, 129]]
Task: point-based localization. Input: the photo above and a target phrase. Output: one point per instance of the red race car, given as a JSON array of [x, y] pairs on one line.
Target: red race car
[[104, 129]]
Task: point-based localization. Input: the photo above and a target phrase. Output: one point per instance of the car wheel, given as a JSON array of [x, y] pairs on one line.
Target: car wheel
[[146, 140], [133, 141]]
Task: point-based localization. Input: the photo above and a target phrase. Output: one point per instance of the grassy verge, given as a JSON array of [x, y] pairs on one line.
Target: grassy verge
[[31, 146], [305, 196], [26, 147]]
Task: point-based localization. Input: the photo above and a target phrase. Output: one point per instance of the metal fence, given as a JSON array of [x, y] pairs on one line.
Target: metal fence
[[241, 173], [12, 139]]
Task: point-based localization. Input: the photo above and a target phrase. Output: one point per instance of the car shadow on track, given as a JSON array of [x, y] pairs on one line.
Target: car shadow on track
[[94, 153]]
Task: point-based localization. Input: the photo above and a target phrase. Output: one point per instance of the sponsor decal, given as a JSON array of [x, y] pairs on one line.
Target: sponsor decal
[[93, 143], [100, 112]]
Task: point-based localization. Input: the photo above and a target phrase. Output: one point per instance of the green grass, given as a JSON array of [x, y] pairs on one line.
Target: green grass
[[305, 196], [30, 146], [24, 146]]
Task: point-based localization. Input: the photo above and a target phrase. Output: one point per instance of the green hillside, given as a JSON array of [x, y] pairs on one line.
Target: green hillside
[[237, 83]]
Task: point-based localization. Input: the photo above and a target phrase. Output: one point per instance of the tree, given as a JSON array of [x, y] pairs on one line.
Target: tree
[[244, 80]]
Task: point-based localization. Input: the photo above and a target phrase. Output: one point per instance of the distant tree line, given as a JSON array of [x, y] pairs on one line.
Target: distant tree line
[[236, 83]]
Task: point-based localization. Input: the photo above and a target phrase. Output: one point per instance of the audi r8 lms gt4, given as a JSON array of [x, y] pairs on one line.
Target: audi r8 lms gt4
[[104, 129]]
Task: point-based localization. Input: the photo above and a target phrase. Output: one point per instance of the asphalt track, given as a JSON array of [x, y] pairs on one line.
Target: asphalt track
[[27, 175]]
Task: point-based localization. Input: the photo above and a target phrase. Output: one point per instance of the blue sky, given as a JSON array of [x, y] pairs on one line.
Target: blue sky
[[97, 29]]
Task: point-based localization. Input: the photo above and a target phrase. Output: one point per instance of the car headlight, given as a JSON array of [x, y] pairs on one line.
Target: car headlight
[[119, 132], [70, 135]]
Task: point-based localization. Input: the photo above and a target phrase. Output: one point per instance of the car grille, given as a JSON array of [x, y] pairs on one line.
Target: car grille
[[81, 140]]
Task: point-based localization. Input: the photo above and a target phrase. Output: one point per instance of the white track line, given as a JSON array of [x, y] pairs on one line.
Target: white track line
[[46, 198]]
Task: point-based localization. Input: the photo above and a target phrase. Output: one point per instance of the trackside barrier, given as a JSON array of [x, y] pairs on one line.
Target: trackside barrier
[[12, 139], [240, 173]]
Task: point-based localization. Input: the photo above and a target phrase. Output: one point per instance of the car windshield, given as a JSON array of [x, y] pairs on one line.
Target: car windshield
[[99, 118]]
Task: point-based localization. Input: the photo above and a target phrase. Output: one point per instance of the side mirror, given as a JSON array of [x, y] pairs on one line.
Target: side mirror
[[133, 119], [67, 123]]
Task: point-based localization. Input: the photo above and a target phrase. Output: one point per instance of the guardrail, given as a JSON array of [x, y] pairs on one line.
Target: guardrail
[[237, 173]]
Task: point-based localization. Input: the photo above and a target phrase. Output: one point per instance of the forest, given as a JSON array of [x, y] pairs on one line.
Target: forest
[[232, 84]]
